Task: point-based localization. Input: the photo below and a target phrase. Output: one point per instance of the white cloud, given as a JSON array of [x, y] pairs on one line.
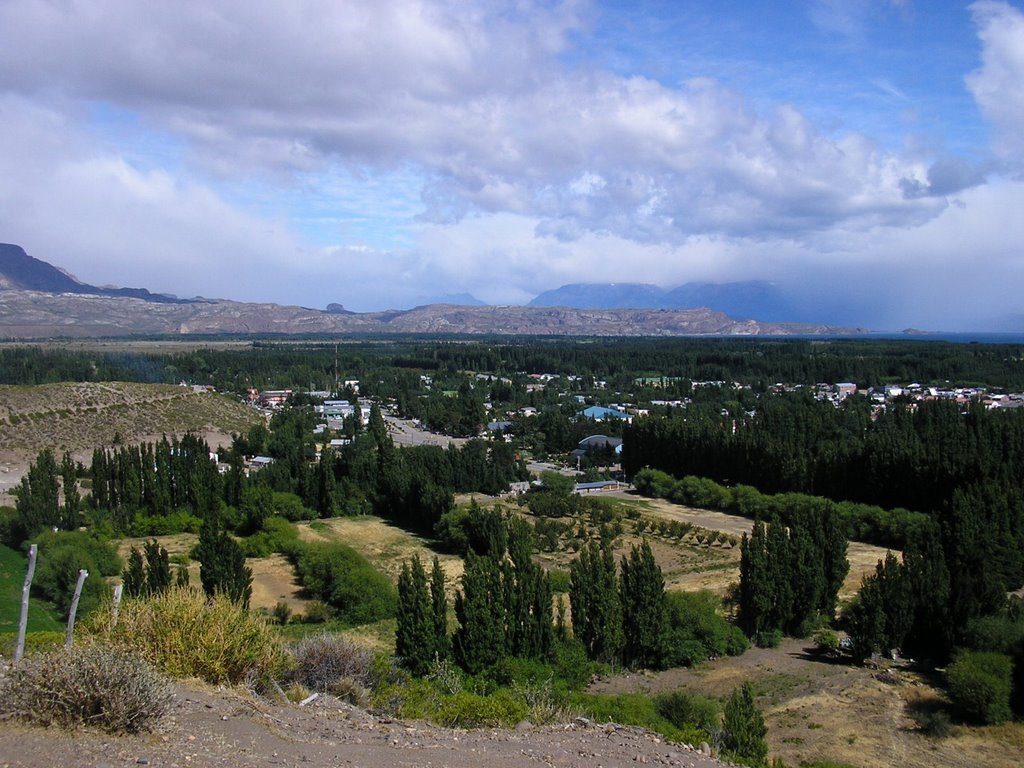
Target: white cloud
[[68, 202], [998, 86], [439, 147], [471, 94]]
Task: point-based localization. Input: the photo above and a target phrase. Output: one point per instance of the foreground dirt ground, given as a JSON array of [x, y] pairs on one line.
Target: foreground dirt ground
[[208, 727]]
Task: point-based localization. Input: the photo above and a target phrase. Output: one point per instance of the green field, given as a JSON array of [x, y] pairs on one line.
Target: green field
[[41, 616]]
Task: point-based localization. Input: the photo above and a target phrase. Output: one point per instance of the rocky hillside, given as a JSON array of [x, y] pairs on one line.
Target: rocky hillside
[[20, 271], [36, 314], [38, 300]]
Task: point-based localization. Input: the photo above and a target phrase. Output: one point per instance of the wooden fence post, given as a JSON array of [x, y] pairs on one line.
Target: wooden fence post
[[19, 648], [82, 576], [117, 604]]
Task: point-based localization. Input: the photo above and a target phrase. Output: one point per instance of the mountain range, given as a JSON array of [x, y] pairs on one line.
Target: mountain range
[[746, 300], [40, 300], [19, 271]]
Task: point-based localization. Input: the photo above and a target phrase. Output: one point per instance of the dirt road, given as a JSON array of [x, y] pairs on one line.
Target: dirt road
[[224, 728]]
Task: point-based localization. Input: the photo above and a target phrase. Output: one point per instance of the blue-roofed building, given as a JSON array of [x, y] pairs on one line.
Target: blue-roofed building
[[600, 413], [598, 444]]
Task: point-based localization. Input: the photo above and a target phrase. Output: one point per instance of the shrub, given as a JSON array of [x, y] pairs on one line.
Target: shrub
[[412, 698], [696, 632], [323, 660], [744, 730], [979, 684], [99, 686], [514, 671], [61, 556], [560, 581], [471, 710], [632, 709], [768, 638], [290, 507], [35, 642], [351, 691], [998, 634], [282, 613], [933, 721], [11, 531], [683, 709], [345, 580], [826, 641], [317, 612], [474, 527], [653, 483], [183, 633], [275, 535], [572, 666], [180, 521]]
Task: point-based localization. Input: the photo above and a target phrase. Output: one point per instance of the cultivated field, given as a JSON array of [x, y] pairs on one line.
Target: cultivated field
[[721, 565]]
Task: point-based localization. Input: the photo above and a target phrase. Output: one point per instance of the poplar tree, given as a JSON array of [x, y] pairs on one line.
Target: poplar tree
[[72, 502], [480, 639], [642, 594], [755, 589], [415, 634], [182, 579], [778, 565], [529, 630], [222, 567], [133, 577], [594, 600], [743, 729], [158, 568], [439, 605], [835, 565], [37, 496]]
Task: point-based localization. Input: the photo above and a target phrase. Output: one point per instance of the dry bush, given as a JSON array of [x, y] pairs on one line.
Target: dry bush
[[296, 692], [184, 633], [322, 661], [105, 687], [350, 690]]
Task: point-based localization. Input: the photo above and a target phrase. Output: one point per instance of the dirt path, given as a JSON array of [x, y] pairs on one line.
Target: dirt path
[[225, 728]]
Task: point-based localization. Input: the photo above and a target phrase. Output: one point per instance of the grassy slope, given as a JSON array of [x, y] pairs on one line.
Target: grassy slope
[[81, 416], [41, 615]]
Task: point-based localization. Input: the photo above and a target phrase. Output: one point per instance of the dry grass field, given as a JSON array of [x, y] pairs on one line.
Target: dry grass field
[[383, 544], [818, 709]]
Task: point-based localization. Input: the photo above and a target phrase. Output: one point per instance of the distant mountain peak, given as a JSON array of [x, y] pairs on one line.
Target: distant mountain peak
[[602, 296], [20, 271], [753, 299]]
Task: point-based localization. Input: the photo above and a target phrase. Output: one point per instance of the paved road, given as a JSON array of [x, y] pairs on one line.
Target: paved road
[[405, 432]]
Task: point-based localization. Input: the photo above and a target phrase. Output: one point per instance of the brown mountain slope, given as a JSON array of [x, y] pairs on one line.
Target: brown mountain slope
[[35, 314]]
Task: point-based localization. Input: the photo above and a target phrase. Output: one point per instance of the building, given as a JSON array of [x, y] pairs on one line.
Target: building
[[600, 413], [597, 444], [274, 398]]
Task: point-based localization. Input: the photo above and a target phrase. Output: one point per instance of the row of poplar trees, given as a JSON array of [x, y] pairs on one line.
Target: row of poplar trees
[[504, 608], [619, 618], [791, 574]]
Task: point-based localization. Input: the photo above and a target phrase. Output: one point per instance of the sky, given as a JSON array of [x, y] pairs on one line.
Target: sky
[[865, 156]]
